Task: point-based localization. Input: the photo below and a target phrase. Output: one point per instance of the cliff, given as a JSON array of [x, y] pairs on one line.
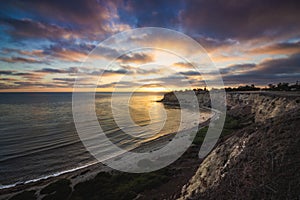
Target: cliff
[[259, 105], [259, 161]]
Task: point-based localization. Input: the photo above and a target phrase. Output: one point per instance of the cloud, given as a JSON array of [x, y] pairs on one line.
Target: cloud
[[237, 68], [7, 79], [116, 72], [108, 72], [190, 73], [21, 60], [63, 50], [159, 13], [62, 19], [32, 84], [4, 86], [38, 53], [6, 72], [272, 70], [25, 75], [241, 19], [138, 58], [28, 28], [278, 48], [141, 71], [183, 65], [119, 84], [168, 81], [68, 55], [58, 71], [64, 79], [210, 44], [282, 65]]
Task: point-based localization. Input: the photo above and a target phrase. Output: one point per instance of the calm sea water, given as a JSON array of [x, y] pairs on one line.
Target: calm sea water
[[38, 136]]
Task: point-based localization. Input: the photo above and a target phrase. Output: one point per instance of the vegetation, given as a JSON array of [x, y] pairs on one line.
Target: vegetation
[[243, 88], [26, 195], [58, 190], [230, 125], [121, 186], [283, 87], [271, 87]]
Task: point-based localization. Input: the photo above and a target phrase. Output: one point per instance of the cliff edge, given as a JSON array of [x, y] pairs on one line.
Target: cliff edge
[[259, 161]]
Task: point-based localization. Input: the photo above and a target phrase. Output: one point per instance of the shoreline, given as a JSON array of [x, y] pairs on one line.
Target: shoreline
[[89, 171]]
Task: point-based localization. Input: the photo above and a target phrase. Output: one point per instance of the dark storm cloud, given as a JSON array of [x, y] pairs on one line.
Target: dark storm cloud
[[77, 11], [27, 28], [282, 66], [275, 70], [278, 48], [152, 13], [61, 18], [241, 19]]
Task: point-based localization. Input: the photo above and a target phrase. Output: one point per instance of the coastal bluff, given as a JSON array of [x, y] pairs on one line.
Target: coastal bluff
[[260, 105], [259, 160]]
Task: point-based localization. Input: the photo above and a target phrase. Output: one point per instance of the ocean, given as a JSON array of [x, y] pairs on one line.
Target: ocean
[[38, 138]]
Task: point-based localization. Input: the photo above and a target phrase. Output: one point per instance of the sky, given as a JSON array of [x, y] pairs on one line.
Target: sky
[[45, 44]]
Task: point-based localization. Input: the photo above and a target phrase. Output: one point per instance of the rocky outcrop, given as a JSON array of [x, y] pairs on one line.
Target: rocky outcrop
[[260, 161], [171, 98]]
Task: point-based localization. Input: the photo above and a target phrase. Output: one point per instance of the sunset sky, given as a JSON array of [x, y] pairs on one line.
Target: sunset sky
[[43, 43]]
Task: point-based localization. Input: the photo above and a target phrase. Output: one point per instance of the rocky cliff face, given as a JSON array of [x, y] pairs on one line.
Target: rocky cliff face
[[260, 161], [262, 105]]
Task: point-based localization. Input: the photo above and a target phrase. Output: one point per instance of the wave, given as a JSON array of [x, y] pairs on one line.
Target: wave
[[47, 176]]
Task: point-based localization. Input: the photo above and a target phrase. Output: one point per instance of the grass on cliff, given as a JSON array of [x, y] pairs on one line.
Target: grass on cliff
[[231, 124]]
